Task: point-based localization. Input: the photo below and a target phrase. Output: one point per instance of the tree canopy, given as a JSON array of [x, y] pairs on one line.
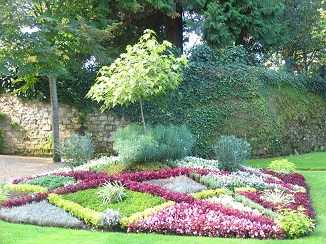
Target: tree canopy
[[50, 39], [147, 70]]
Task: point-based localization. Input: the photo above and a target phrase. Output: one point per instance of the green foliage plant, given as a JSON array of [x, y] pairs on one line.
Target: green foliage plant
[[145, 72], [24, 188], [77, 150], [278, 196], [282, 166], [113, 169], [111, 193], [295, 222], [88, 215], [159, 143], [50, 182], [134, 217], [4, 193], [209, 193], [231, 152], [244, 189], [135, 202]]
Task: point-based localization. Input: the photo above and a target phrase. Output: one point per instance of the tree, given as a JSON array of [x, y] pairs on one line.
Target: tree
[[300, 50], [49, 39], [319, 32], [146, 71], [226, 23]]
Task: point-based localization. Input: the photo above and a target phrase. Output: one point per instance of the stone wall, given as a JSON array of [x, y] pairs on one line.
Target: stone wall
[[28, 128]]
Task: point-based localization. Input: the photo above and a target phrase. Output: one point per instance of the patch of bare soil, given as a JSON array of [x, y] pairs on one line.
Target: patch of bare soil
[[182, 184]]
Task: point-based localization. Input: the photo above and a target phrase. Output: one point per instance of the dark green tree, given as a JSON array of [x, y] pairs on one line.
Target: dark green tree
[[237, 22], [51, 39], [301, 52]]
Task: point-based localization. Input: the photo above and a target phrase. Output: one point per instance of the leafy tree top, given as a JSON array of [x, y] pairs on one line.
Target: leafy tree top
[[146, 71], [46, 38]]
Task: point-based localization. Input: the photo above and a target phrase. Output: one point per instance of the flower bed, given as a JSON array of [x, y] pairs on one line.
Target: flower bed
[[237, 205]]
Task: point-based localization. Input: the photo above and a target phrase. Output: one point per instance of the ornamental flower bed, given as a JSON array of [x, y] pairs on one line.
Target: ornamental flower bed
[[234, 206]]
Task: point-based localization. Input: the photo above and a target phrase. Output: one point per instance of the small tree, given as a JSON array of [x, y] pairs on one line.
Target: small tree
[[146, 71]]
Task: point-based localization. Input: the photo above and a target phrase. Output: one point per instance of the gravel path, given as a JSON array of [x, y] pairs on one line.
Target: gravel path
[[12, 167]]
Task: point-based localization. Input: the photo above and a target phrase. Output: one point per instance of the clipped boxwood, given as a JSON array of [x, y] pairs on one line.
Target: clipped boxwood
[[25, 188], [90, 216]]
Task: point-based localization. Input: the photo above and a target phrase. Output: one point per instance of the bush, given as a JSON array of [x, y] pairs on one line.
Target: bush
[[295, 222], [25, 188], [77, 149], [109, 218], [158, 144], [282, 166], [88, 215], [231, 152]]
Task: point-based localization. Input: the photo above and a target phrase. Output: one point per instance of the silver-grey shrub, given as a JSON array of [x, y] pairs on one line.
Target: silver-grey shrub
[[110, 218], [231, 152], [77, 149], [159, 143]]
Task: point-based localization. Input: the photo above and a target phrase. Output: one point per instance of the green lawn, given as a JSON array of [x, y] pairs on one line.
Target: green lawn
[[310, 161], [17, 233]]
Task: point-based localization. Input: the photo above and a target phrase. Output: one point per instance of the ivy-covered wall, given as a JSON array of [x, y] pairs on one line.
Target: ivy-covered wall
[[27, 129], [275, 112]]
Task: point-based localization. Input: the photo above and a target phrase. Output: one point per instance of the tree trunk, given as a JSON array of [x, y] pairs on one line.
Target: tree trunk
[[142, 114], [174, 27], [55, 119]]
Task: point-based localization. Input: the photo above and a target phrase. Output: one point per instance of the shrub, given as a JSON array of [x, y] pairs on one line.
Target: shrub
[[231, 152], [295, 222], [159, 143], [111, 193], [88, 215], [77, 149], [147, 166], [109, 218], [25, 188], [113, 169], [136, 216], [282, 166]]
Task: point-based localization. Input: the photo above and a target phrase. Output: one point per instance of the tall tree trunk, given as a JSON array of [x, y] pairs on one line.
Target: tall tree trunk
[[142, 114], [174, 27], [55, 119]]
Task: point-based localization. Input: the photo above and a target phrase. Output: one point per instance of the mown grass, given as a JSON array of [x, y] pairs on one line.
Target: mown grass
[[17, 233], [310, 161]]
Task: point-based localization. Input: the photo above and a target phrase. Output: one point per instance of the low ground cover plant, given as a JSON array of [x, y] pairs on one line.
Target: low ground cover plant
[[246, 203], [50, 182]]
